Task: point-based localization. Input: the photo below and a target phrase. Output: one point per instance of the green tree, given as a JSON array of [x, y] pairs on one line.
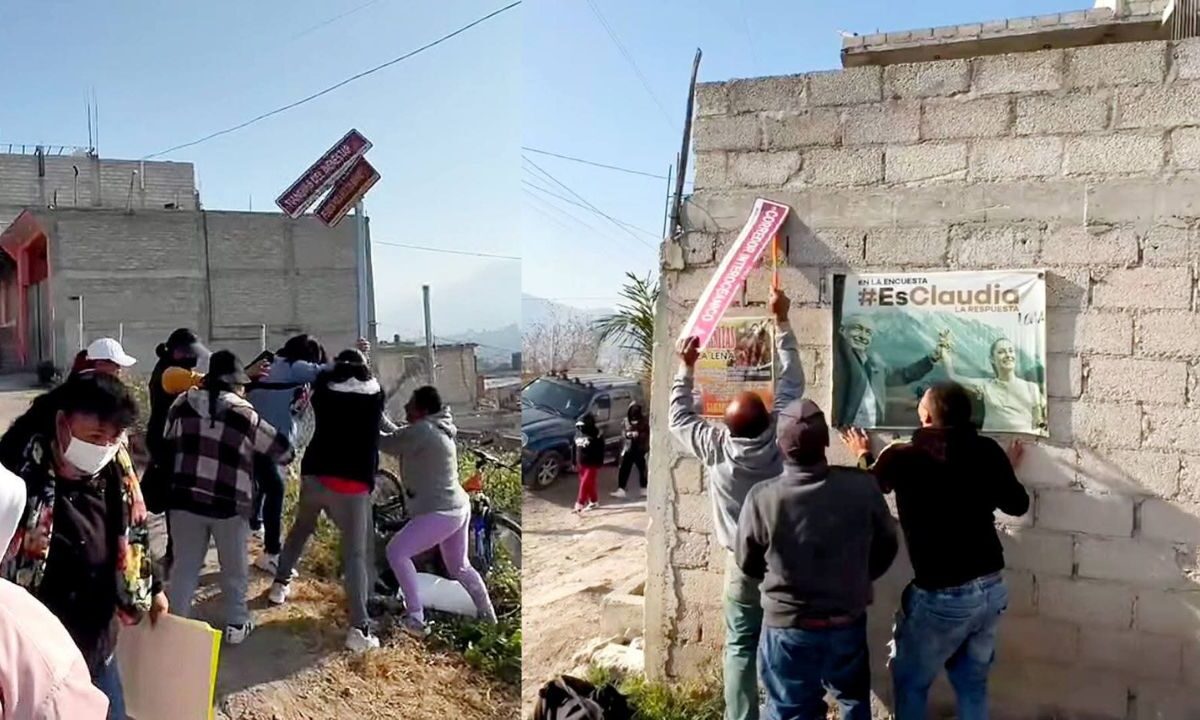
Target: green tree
[[632, 325]]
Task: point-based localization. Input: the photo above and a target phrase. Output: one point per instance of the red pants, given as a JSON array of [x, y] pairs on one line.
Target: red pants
[[587, 485]]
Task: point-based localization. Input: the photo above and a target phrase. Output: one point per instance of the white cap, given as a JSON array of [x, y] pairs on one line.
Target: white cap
[[110, 350]]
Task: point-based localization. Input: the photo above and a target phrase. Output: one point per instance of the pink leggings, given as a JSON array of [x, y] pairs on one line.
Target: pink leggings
[[449, 534]]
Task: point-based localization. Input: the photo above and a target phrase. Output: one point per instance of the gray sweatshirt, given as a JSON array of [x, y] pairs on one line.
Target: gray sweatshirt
[[734, 465], [818, 537], [429, 465]]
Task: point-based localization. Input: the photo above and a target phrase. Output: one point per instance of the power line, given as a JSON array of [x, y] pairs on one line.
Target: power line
[[559, 210], [335, 18], [335, 86], [595, 209], [585, 207], [593, 164], [447, 250], [632, 63]]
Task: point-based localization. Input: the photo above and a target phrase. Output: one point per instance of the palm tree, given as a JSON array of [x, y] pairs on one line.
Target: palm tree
[[632, 326]]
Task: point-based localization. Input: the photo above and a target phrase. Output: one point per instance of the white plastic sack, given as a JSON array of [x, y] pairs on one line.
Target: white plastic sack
[[438, 593]]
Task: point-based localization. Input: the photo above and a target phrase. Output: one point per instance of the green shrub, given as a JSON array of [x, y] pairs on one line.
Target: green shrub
[[658, 701]]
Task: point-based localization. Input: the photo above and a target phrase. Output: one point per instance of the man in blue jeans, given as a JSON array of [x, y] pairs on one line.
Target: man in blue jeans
[[736, 456], [949, 481], [817, 536]]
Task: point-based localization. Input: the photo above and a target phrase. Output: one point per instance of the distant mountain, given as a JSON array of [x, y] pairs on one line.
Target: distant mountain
[[495, 346], [536, 310]]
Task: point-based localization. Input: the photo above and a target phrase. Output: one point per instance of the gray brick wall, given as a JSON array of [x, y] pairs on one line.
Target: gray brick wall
[[100, 183], [223, 274], [1083, 161]]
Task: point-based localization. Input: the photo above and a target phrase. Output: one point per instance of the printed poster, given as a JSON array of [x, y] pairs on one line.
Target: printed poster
[[189, 648], [740, 357], [896, 334]]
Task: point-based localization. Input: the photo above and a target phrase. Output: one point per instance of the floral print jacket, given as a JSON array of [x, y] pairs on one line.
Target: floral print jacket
[[24, 561]]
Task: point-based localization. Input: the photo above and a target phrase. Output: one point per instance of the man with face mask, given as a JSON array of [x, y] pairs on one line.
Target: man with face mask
[[77, 547], [42, 674]]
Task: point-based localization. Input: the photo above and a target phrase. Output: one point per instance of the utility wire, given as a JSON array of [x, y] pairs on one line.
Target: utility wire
[[595, 209], [593, 164], [447, 250], [335, 18], [632, 63], [335, 86], [585, 207], [554, 207]]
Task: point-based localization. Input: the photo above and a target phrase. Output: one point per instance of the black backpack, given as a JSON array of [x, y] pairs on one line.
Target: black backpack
[[569, 698]]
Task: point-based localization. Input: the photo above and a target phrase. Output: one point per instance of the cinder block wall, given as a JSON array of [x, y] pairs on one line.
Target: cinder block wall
[[223, 274], [100, 183], [1085, 162]]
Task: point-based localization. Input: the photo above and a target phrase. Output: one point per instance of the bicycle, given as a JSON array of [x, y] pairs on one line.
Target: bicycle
[[487, 526]]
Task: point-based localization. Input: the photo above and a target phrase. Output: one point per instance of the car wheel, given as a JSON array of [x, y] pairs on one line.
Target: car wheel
[[546, 470]]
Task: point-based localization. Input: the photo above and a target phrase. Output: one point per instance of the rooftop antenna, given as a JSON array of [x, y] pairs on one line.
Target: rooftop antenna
[[87, 103], [96, 109]]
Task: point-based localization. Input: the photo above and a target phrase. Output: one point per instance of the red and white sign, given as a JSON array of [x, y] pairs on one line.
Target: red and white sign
[[297, 198], [348, 190], [764, 223]]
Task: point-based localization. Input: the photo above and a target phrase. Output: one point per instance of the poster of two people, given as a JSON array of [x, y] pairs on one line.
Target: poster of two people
[[896, 334]]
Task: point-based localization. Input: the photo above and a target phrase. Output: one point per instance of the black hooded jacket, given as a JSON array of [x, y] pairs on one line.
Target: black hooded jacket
[[949, 482]]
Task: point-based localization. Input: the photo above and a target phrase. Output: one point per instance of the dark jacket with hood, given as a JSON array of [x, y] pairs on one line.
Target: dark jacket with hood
[[818, 536], [589, 446], [637, 435], [734, 465], [349, 414], [949, 482]]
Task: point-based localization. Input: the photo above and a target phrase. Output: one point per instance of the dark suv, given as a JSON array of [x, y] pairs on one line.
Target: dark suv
[[550, 406]]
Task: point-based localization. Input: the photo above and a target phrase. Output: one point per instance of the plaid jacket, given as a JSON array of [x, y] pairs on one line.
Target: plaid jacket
[[214, 453]]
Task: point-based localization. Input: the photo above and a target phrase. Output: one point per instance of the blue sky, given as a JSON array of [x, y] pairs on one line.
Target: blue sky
[[445, 124], [583, 99]]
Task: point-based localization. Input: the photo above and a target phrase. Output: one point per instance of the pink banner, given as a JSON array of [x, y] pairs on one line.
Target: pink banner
[[764, 223]]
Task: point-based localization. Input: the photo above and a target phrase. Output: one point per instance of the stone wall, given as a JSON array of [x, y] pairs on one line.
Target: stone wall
[[1085, 162]]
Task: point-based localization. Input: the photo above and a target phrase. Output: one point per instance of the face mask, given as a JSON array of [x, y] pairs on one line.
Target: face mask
[[89, 459]]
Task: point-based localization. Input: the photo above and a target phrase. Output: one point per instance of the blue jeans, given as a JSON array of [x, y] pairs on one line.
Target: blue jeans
[[269, 490], [953, 628], [743, 625], [800, 666], [108, 680]]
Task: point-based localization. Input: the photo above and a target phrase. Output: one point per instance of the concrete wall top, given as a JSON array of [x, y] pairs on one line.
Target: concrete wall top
[[82, 181], [1135, 21]]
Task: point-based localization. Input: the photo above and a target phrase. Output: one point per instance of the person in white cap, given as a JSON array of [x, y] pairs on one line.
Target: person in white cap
[[107, 356]]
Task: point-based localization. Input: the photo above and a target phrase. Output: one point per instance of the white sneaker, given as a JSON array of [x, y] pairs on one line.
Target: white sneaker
[[591, 506], [237, 634], [278, 594], [619, 493], [359, 641], [267, 563]]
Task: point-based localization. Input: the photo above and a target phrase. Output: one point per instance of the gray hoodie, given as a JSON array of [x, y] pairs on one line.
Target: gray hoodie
[[734, 465], [429, 465]]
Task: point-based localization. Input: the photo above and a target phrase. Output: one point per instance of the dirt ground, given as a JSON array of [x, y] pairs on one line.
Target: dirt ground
[[571, 563], [293, 666]]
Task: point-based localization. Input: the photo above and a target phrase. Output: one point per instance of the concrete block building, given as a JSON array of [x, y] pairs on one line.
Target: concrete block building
[[1070, 143], [130, 242]]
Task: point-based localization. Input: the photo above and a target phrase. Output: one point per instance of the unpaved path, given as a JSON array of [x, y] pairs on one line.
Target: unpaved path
[[571, 563], [293, 667]]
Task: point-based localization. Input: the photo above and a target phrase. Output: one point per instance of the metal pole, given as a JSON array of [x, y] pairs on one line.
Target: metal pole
[[360, 223], [683, 150], [121, 333], [263, 337], [429, 355], [667, 204], [79, 299]]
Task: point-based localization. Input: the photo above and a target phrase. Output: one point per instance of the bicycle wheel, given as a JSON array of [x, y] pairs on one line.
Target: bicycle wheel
[[388, 488], [507, 534]]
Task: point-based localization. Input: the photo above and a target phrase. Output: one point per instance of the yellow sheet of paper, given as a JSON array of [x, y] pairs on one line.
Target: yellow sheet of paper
[[169, 671]]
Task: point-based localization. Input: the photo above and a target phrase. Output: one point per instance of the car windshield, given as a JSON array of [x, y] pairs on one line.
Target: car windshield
[[559, 398]]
